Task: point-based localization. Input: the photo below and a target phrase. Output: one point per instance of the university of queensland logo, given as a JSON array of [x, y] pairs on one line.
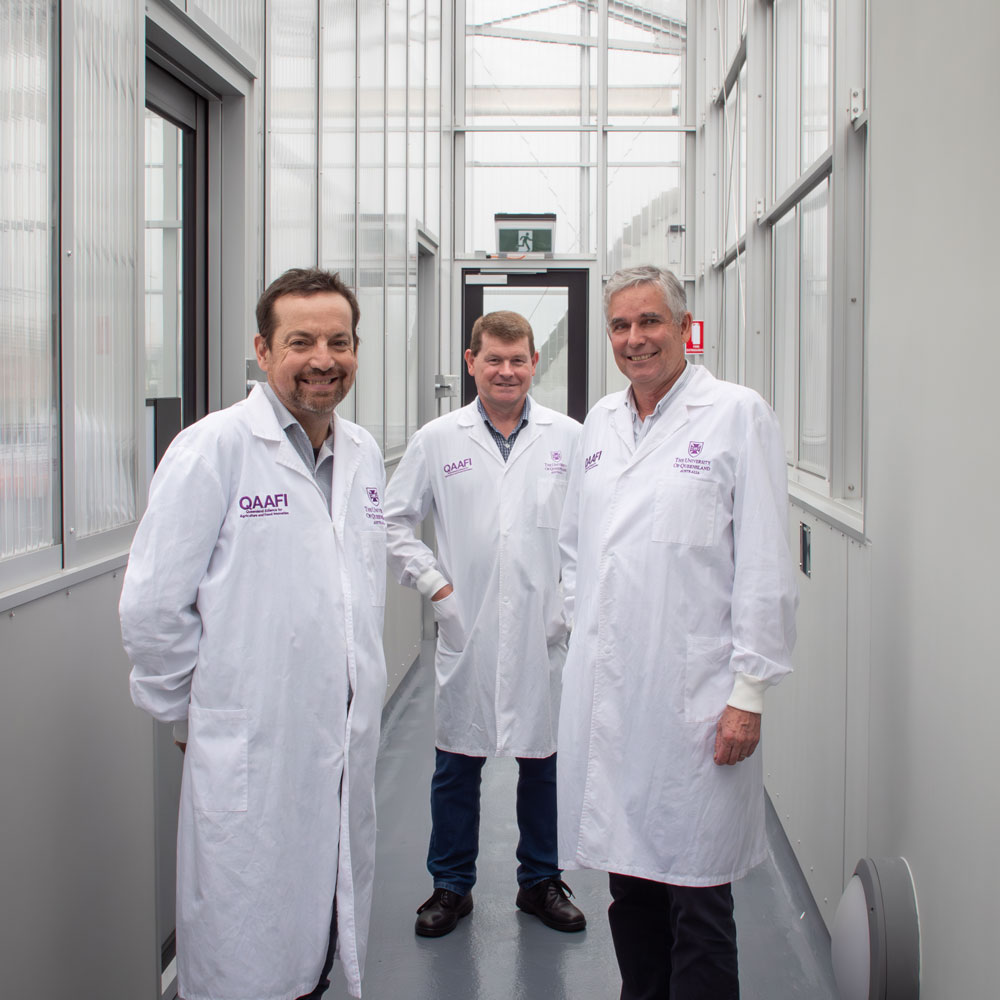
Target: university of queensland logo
[[373, 495], [694, 448], [557, 456]]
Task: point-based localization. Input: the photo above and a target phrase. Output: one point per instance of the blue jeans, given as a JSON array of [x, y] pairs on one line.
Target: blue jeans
[[454, 846]]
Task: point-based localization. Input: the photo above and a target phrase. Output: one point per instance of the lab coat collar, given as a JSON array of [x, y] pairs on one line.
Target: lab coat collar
[[264, 424], [347, 454], [701, 390], [347, 451], [470, 420]]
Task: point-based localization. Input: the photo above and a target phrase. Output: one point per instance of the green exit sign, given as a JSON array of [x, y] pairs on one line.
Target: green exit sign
[[524, 240], [527, 233]]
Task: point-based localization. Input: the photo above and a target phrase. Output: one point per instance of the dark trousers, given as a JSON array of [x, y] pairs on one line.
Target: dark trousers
[[454, 844], [674, 942], [324, 977]]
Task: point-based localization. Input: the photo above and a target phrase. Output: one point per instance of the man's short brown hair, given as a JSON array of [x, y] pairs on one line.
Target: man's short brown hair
[[303, 281], [507, 326]]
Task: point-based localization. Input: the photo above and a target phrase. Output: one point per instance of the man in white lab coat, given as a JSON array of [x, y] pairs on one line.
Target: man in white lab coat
[[681, 590], [494, 473], [252, 614]]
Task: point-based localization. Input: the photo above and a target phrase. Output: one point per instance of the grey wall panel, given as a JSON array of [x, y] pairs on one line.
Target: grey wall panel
[[76, 821], [403, 624], [805, 718], [934, 478]]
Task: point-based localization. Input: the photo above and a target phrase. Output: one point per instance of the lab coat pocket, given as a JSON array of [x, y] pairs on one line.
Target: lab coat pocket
[[551, 497], [708, 681], [373, 547], [685, 511], [451, 634], [217, 758]]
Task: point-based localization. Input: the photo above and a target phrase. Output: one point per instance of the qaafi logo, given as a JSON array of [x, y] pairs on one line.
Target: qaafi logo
[[694, 448], [266, 506], [454, 468], [373, 495]]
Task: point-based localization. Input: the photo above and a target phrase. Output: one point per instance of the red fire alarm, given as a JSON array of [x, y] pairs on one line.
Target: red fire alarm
[[696, 341]]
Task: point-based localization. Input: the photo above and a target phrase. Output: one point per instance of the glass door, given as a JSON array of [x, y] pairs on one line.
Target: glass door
[[175, 257], [554, 302]]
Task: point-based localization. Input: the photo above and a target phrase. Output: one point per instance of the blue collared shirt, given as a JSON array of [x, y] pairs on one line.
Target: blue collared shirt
[[505, 444]]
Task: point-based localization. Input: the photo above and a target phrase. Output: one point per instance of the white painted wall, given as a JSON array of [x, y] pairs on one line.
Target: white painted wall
[[934, 474]]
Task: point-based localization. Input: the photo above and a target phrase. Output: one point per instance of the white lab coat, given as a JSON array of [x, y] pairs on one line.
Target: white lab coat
[[250, 611], [677, 561], [502, 633]]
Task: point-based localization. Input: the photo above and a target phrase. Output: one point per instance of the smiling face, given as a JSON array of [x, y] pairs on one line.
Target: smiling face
[[647, 342], [502, 370], [312, 359]]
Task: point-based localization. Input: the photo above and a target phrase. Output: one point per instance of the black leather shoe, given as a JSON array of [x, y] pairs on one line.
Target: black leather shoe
[[549, 901], [439, 914]]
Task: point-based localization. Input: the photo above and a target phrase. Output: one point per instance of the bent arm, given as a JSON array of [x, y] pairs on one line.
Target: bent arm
[[408, 499], [764, 591], [161, 626]]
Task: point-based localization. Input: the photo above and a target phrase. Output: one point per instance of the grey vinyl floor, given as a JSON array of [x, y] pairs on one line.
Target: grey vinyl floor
[[499, 953]]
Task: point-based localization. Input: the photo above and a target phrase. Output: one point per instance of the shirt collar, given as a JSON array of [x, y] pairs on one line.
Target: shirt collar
[[283, 414], [524, 414], [662, 402]]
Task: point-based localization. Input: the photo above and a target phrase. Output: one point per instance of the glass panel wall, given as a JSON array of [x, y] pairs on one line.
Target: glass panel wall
[[29, 399], [395, 227], [338, 138], [645, 198], [529, 63], [416, 106], [292, 116], [785, 313], [531, 172], [815, 88], [369, 386], [242, 20], [647, 62], [107, 48], [814, 334]]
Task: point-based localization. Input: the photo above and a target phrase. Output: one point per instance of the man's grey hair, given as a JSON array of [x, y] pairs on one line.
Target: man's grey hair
[[648, 274]]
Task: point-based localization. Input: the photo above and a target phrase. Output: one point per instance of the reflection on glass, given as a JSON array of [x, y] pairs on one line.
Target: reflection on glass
[[530, 172], [547, 310], [814, 333], [29, 416], [164, 258], [645, 199]]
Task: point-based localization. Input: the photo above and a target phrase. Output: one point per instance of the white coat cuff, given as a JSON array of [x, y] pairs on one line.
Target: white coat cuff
[[748, 693], [430, 582], [181, 731]]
